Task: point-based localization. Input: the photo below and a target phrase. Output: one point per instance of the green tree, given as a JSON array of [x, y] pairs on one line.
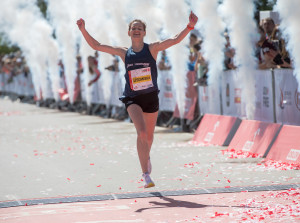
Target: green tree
[[5, 46], [42, 4]]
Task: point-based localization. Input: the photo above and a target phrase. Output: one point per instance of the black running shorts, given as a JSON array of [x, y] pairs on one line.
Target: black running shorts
[[148, 102]]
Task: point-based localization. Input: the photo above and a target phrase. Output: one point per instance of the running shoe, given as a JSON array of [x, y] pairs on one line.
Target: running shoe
[[148, 181], [149, 166]]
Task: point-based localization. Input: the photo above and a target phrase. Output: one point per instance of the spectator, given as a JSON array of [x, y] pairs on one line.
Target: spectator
[[77, 87], [164, 62], [229, 54], [62, 82], [115, 66], [284, 59], [93, 69], [200, 66], [96, 58], [7, 65], [262, 38], [268, 25], [79, 66], [274, 54], [265, 61], [193, 54], [19, 66]]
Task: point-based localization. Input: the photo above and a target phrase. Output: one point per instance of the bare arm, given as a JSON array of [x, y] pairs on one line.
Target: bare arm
[[165, 44], [120, 51]]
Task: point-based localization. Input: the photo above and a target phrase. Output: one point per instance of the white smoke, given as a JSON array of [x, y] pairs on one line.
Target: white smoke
[[239, 16], [119, 19], [175, 18], [211, 29], [63, 18], [289, 12], [26, 27], [152, 16], [105, 24]]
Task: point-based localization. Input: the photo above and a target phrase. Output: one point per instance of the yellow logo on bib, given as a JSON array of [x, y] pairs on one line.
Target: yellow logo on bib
[[141, 79]]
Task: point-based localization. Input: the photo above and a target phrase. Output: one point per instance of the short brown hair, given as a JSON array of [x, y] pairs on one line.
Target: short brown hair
[[269, 19], [137, 20]]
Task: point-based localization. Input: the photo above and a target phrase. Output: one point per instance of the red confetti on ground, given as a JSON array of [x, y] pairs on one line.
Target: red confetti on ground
[[92, 164], [274, 164], [68, 179], [16, 155], [191, 165], [234, 154], [264, 211], [99, 186], [218, 214], [10, 113]]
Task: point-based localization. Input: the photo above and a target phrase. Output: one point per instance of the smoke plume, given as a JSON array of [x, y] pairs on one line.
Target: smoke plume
[[239, 17]]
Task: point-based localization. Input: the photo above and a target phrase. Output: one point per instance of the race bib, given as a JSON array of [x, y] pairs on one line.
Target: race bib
[[140, 79]]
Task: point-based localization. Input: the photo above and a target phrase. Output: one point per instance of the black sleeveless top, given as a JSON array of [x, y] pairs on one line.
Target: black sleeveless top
[[141, 72]]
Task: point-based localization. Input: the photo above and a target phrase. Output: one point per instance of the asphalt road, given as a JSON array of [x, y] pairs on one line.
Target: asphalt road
[[49, 156]]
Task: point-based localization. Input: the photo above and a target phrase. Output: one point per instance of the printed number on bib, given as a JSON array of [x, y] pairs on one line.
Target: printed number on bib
[[140, 79]]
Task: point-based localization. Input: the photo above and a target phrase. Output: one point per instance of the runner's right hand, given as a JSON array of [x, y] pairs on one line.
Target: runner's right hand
[[81, 24]]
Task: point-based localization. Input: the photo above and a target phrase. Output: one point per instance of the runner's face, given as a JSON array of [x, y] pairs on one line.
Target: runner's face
[[137, 30]]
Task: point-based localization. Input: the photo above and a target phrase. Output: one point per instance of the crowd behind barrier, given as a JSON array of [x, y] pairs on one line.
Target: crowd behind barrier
[[276, 97]]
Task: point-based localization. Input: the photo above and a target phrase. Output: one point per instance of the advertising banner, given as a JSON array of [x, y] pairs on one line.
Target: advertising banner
[[167, 97], [287, 97], [209, 99], [116, 89], [232, 94], [2, 82], [191, 98], [29, 87], [263, 96]]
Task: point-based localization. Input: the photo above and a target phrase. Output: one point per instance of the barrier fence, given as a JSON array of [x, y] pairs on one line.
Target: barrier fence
[[277, 99], [276, 95]]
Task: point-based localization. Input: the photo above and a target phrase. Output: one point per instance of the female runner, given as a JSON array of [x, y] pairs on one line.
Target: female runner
[[141, 92]]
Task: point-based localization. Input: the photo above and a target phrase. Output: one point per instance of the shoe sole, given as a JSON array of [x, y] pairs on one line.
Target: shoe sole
[[149, 185]]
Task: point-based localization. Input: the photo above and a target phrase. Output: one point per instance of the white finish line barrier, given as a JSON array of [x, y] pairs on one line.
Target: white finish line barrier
[[276, 97]]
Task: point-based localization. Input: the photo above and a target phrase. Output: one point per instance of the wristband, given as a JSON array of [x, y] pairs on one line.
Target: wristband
[[189, 28]]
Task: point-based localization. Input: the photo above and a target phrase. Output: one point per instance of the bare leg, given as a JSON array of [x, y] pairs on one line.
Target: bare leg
[[150, 119], [136, 115]]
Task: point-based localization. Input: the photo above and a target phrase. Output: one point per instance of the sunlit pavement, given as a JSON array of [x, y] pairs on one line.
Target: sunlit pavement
[[66, 167]]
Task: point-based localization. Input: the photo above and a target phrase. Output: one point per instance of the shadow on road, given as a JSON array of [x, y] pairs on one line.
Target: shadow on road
[[172, 203]]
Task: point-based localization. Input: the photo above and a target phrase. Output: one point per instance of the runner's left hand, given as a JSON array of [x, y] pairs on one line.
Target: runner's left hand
[[192, 19]]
